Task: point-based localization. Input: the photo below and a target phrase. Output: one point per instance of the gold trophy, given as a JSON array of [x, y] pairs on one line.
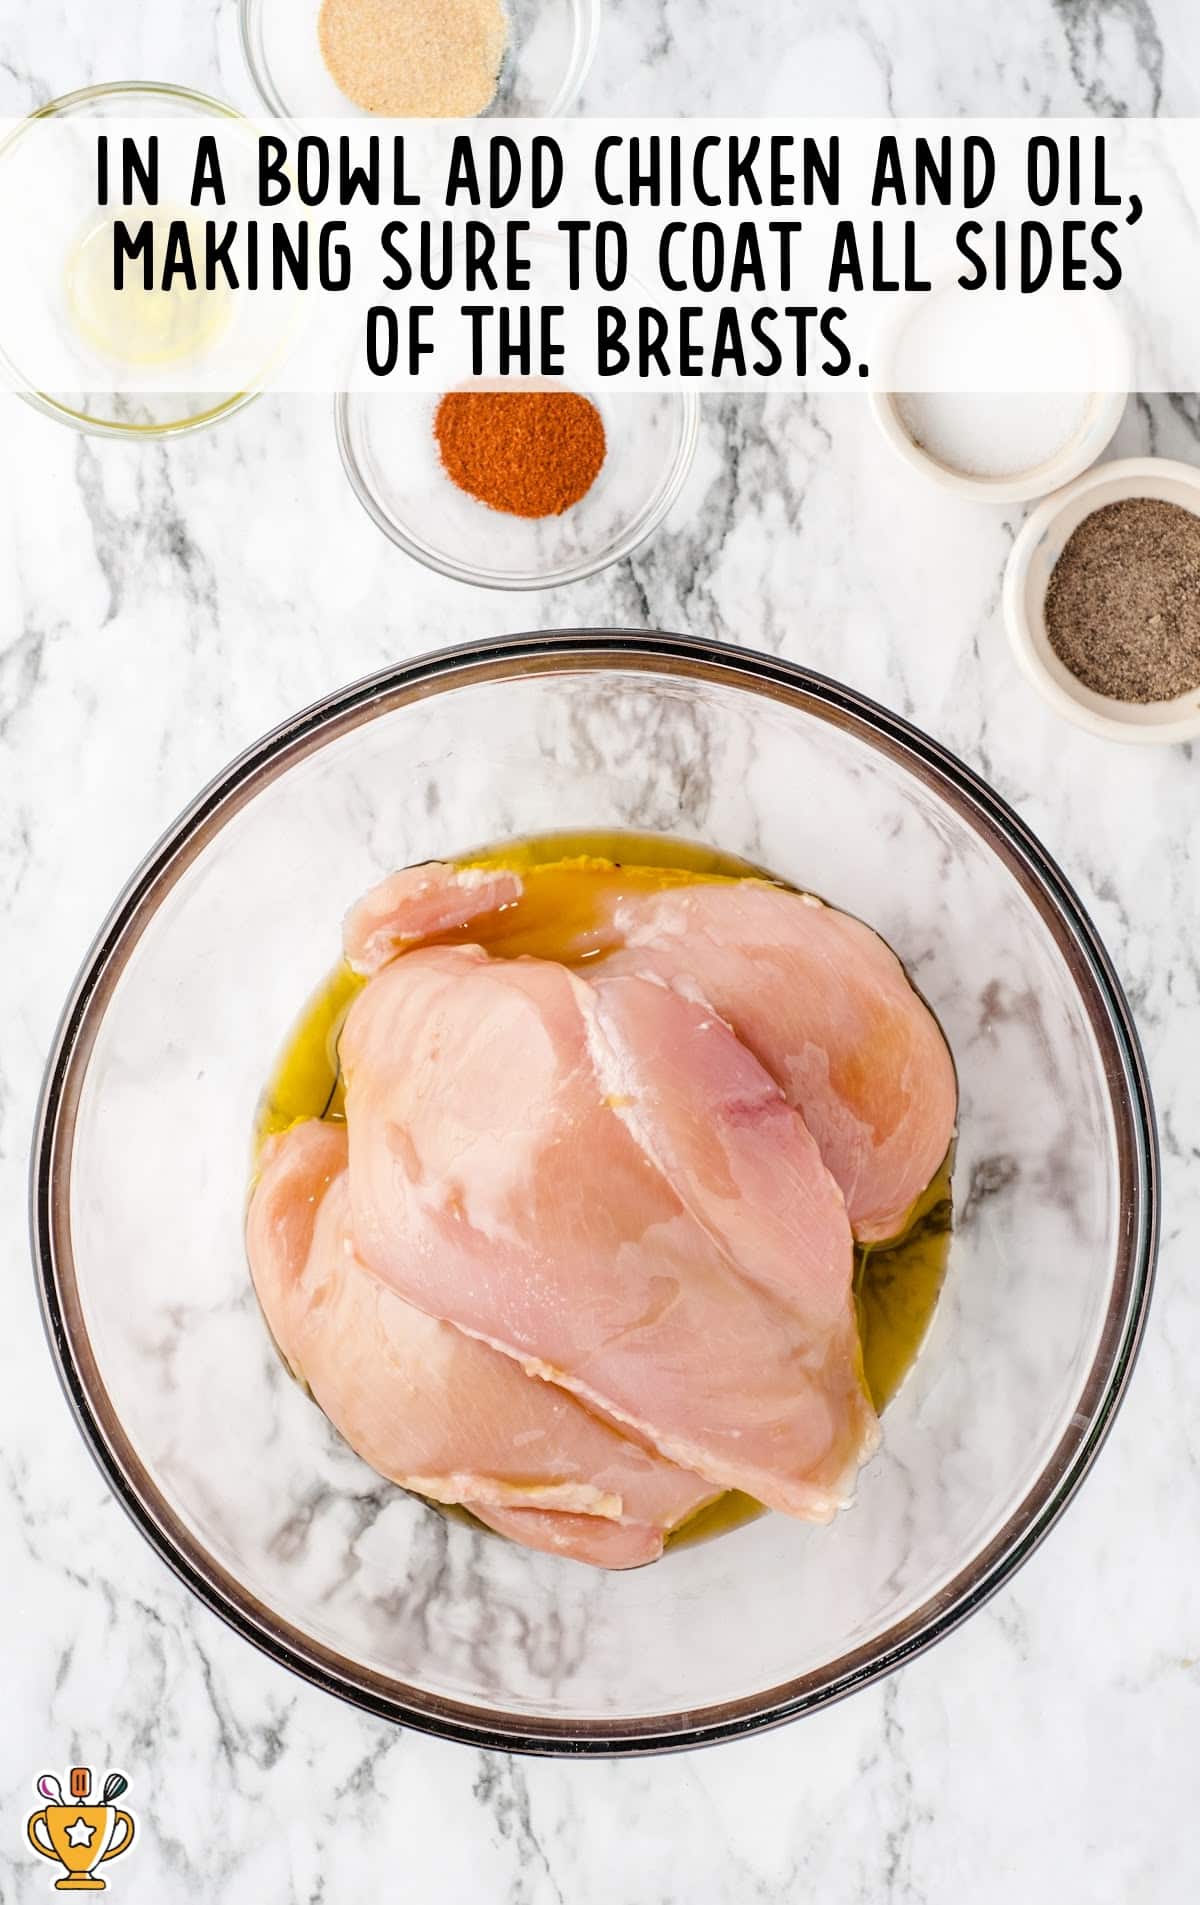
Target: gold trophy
[[80, 1836]]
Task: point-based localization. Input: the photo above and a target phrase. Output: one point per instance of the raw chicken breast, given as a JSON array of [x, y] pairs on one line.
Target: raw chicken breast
[[606, 1544], [430, 1408], [821, 1001], [827, 1008], [719, 1129], [418, 904], [578, 1177]]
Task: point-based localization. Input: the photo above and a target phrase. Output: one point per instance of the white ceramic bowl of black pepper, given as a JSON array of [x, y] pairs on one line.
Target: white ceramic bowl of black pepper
[[1096, 645]]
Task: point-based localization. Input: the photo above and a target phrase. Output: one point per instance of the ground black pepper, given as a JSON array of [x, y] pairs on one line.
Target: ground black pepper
[[1123, 605]]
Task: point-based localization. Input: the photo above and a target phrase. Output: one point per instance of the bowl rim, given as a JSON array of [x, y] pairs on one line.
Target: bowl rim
[[586, 20], [44, 401], [639, 530], [570, 652]]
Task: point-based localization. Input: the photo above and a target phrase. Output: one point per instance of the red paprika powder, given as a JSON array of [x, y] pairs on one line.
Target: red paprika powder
[[527, 452]]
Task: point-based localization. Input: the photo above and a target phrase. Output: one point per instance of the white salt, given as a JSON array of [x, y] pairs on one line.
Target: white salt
[[997, 434]]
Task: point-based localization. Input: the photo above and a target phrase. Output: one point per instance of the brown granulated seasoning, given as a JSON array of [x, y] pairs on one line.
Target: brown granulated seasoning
[[1123, 605], [415, 59], [525, 452]]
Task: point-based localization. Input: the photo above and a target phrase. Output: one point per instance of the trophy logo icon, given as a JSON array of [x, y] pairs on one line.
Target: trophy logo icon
[[77, 1834]]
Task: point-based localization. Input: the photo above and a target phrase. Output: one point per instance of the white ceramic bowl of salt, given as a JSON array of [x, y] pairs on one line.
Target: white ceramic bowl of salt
[[1062, 362], [1027, 577], [998, 447]]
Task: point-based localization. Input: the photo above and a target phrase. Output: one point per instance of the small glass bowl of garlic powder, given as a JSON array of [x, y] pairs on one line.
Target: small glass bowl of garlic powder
[[414, 59]]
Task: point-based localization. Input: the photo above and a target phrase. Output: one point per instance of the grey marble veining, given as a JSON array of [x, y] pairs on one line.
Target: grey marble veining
[[695, 56], [160, 608]]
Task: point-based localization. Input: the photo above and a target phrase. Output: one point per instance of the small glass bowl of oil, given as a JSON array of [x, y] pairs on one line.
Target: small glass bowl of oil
[[73, 346]]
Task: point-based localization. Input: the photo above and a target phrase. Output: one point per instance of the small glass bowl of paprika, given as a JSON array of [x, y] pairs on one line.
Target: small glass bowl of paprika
[[517, 488]]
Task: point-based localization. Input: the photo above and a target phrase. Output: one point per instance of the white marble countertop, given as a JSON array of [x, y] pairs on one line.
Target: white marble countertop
[[160, 606]]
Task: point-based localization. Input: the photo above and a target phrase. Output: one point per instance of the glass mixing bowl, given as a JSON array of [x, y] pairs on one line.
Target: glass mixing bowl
[[142, 1157]]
